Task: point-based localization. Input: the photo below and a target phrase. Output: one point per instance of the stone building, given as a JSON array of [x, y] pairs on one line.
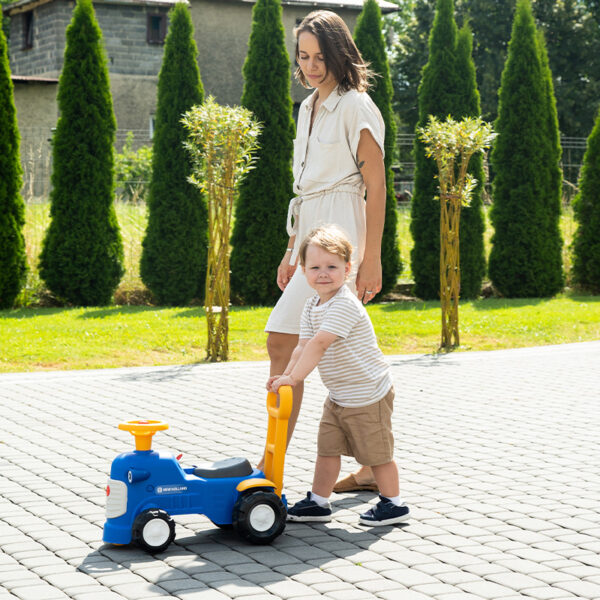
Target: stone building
[[134, 33]]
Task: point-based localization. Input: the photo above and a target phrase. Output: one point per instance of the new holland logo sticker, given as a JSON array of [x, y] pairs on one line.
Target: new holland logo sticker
[[171, 489]]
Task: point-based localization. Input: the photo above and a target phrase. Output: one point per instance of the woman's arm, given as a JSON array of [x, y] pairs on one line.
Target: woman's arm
[[372, 169], [285, 270]]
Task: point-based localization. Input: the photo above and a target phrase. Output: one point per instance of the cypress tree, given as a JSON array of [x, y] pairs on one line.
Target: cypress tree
[[472, 220], [552, 154], [586, 241], [173, 264], [82, 254], [522, 259], [13, 262], [439, 94], [259, 235], [369, 40]]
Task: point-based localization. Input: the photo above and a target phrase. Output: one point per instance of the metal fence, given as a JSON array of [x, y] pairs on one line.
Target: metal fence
[[573, 149], [36, 157]]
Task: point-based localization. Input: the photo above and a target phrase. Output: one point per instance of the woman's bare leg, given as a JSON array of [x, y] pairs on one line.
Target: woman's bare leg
[[280, 347]]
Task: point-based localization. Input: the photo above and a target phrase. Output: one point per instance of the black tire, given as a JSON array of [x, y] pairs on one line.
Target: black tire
[[153, 530], [259, 517]]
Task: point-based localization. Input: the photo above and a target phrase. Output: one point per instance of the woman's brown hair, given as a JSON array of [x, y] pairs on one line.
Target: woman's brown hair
[[341, 56]]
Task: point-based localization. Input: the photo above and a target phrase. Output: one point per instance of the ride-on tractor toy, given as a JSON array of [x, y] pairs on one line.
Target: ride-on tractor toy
[[146, 487]]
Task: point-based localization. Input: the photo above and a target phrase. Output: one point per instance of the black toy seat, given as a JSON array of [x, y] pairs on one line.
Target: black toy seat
[[229, 467]]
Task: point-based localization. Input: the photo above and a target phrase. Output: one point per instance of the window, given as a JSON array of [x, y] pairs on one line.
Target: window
[[28, 29], [156, 29]]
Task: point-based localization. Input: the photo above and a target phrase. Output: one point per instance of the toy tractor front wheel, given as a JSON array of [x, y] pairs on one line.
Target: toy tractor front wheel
[[153, 530], [259, 517]]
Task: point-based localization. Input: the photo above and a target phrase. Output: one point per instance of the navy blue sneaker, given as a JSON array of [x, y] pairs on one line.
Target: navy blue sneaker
[[308, 510], [385, 512]]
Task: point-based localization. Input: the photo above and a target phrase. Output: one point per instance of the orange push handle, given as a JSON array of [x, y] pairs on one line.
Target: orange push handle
[[143, 431], [277, 435]]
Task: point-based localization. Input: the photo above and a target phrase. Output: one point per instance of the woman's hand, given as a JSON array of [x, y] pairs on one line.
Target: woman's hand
[[285, 271], [368, 279]]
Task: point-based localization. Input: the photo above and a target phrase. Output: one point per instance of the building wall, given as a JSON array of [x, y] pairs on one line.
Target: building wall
[[46, 56], [123, 30]]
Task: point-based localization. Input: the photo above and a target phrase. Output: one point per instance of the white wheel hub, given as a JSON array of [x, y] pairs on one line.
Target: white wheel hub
[[156, 532], [262, 517]]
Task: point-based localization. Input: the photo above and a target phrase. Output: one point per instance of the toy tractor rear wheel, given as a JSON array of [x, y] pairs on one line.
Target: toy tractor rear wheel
[[259, 517], [153, 530]]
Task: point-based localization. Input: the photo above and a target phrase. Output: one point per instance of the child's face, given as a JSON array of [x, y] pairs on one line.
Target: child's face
[[325, 272]]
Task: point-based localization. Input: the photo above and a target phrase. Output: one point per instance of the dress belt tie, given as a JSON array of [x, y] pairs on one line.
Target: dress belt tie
[[294, 211]]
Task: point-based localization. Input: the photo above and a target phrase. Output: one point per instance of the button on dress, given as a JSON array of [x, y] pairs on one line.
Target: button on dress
[[328, 186]]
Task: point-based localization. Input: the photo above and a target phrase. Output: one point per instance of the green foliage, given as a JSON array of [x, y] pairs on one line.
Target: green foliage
[[573, 47], [448, 87], [369, 40], [472, 219], [173, 264], [222, 142], [523, 257], [586, 243], [82, 255], [259, 235], [133, 170], [13, 262]]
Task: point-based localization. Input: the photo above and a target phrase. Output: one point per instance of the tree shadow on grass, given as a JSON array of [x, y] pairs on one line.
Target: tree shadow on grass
[[110, 311], [28, 313]]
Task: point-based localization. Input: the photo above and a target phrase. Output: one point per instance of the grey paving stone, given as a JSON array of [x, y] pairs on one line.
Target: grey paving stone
[[513, 499]]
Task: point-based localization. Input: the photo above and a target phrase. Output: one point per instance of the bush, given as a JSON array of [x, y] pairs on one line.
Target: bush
[[133, 171], [259, 234], [82, 255], [523, 259], [173, 264], [586, 243], [369, 40], [13, 261]]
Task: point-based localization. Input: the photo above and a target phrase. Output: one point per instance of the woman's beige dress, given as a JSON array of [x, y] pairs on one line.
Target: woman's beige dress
[[328, 186]]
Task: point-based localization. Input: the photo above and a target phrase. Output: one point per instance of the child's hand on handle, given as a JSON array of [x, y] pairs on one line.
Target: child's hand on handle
[[270, 382], [280, 380]]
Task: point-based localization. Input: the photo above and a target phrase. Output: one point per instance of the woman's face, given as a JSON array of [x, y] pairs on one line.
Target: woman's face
[[312, 62]]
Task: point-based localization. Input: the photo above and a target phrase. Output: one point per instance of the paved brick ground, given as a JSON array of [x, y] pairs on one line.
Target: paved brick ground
[[499, 456]]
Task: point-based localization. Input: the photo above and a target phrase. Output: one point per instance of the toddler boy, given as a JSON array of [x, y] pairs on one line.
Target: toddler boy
[[337, 335]]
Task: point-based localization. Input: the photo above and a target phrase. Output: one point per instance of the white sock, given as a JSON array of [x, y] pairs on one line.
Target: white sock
[[319, 499], [396, 500]]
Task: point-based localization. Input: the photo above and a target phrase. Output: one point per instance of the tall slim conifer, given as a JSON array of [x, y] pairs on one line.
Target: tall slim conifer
[[82, 254], [259, 235], [369, 40], [586, 242], [13, 262], [447, 87], [524, 214], [472, 219], [173, 264]]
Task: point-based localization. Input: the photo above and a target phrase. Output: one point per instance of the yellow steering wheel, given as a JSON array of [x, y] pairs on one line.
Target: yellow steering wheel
[[143, 430]]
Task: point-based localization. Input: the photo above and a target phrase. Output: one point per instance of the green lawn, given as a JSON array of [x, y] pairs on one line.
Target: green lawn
[[84, 338]]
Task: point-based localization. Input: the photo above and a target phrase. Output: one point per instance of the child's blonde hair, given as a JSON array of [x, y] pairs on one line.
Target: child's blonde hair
[[329, 238]]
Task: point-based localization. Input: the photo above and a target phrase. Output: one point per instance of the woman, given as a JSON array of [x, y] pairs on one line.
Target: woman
[[338, 156]]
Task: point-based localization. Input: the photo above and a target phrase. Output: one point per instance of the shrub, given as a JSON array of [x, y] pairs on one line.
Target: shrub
[[133, 170], [586, 242], [259, 234], [13, 261], [524, 214], [369, 40], [82, 255], [173, 264]]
